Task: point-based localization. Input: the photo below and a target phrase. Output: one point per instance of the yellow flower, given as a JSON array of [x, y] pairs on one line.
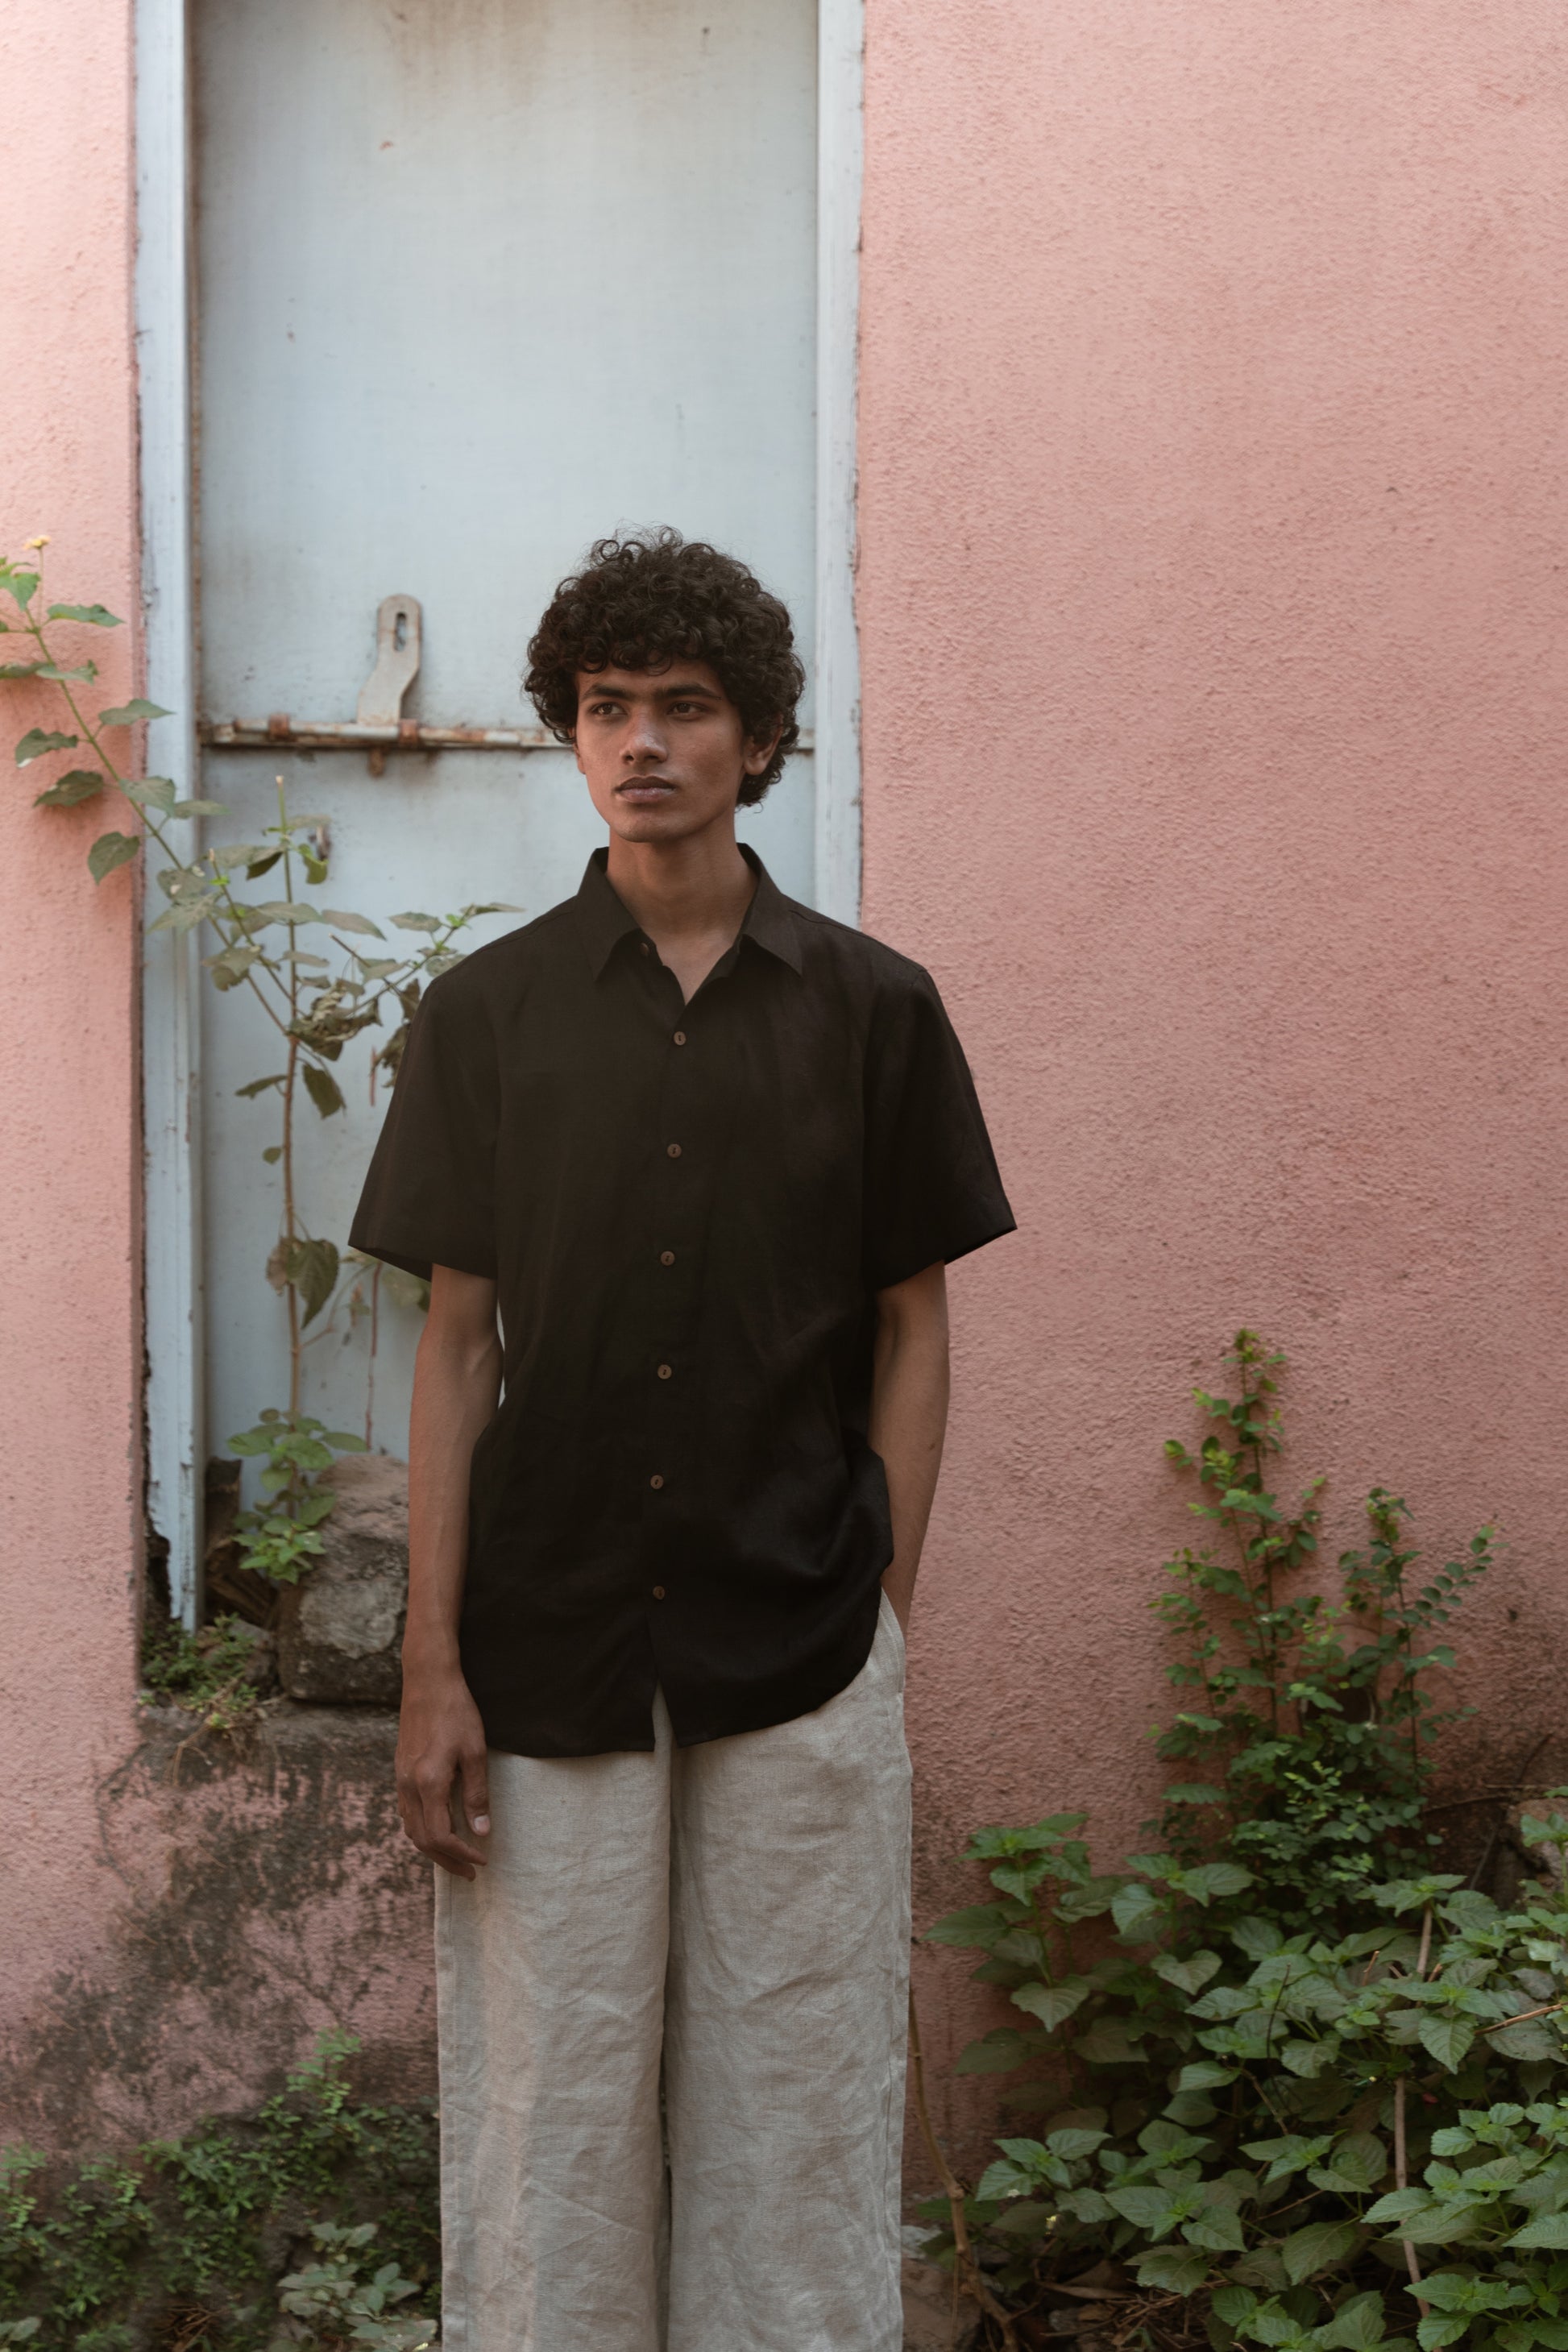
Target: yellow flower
[[44, 541]]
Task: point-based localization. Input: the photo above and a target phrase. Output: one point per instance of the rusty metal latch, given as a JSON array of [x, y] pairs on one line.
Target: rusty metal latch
[[379, 726]]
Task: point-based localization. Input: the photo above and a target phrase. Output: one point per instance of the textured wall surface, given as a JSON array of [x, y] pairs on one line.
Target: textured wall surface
[[1213, 610], [70, 1467], [177, 1926]]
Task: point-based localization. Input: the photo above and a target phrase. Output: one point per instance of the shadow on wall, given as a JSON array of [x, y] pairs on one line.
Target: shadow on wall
[[268, 1895]]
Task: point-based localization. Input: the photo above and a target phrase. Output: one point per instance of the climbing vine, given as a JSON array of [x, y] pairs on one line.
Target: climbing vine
[[318, 974]]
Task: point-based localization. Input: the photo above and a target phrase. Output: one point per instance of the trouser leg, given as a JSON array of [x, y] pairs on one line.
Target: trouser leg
[[785, 2026], [550, 1989]]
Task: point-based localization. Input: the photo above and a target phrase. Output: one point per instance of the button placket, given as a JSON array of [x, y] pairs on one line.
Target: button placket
[[676, 1203]]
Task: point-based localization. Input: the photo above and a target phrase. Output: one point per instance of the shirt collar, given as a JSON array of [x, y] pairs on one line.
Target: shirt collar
[[604, 919]]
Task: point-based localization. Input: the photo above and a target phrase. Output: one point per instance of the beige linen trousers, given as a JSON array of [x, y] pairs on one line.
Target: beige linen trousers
[[722, 1931]]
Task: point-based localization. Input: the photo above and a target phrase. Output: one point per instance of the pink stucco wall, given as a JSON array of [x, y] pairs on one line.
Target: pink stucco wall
[[1215, 614], [70, 1309], [176, 1925], [1213, 611]]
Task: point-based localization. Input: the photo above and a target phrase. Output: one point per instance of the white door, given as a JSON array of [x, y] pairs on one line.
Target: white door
[[477, 283]]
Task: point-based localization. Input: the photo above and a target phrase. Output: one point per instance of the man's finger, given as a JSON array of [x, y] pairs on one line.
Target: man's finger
[[477, 1791], [441, 1840]]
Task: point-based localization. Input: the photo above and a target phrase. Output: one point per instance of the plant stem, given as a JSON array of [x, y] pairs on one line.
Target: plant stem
[[290, 1081], [969, 2270]]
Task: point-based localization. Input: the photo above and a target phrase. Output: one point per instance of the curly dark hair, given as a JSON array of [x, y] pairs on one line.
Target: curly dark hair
[[653, 598]]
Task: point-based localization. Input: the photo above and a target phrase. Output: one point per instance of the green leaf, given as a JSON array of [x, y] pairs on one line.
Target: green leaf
[[1259, 1938], [260, 1085], [1357, 2164], [1550, 2231], [38, 740], [70, 791], [132, 713], [1320, 2247], [199, 808], [1086, 2205], [1136, 1906], [183, 915], [1212, 1880], [1233, 2304], [1072, 2143], [1053, 2004], [58, 676], [1448, 2039], [346, 1441], [1148, 2208], [358, 923], [1529, 2042], [405, 1289], [312, 1267], [1110, 2042], [324, 1090], [291, 911], [152, 792], [97, 617], [974, 1928], [415, 923], [1440, 2328], [1204, 2074], [23, 585], [13, 671], [1398, 2205], [109, 850], [1219, 2229], [1187, 1975], [998, 2052], [273, 1154], [1168, 2268], [1357, 2325], [1193, 1792]]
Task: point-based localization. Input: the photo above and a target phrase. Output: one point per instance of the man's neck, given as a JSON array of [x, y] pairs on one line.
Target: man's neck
[[685, 894]]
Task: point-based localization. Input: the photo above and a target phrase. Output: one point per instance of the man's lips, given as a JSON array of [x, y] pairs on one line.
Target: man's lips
[[645, 788]]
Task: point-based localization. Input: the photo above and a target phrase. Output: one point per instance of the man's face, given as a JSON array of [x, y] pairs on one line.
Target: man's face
[[664, 751]]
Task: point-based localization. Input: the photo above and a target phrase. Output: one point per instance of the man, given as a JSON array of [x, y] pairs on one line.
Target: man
[[707, 1153]]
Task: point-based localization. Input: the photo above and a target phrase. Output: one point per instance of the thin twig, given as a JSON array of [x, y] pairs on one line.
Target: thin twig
[[953, 2189], [1401, 2167]]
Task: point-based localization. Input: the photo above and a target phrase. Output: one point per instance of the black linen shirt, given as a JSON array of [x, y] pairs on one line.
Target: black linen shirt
[[689, 1210]]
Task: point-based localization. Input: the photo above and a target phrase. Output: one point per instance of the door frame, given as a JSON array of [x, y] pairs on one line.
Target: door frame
[[176, 1446]]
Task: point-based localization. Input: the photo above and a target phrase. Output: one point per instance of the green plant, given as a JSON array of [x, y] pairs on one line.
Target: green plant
[[213, 1673], [181, 2234], [1312, 1715], [316, 1009], [333, 2304], [1267, 2080]]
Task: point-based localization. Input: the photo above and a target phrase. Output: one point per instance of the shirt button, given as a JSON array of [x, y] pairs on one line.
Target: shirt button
[[673, 1150], [645, 948], [665, 1371], [680, 1036], [659, 1592], [656, 1480], [667, 1258]]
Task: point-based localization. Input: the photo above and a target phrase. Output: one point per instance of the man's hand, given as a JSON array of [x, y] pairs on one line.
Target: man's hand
[[440, 1747], [441, 1740], [909, 1417]]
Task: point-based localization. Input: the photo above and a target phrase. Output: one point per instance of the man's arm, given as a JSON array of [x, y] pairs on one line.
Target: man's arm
[[908, 1416], [440, 1739]]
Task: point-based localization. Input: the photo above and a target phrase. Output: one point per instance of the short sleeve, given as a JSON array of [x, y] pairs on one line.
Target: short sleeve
[[429, 1197], [933, 1190]]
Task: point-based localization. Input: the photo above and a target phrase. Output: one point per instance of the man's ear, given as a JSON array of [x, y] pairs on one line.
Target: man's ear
[[760, 749]]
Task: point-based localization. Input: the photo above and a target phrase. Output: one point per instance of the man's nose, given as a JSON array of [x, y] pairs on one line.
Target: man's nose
[[644, 738]]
